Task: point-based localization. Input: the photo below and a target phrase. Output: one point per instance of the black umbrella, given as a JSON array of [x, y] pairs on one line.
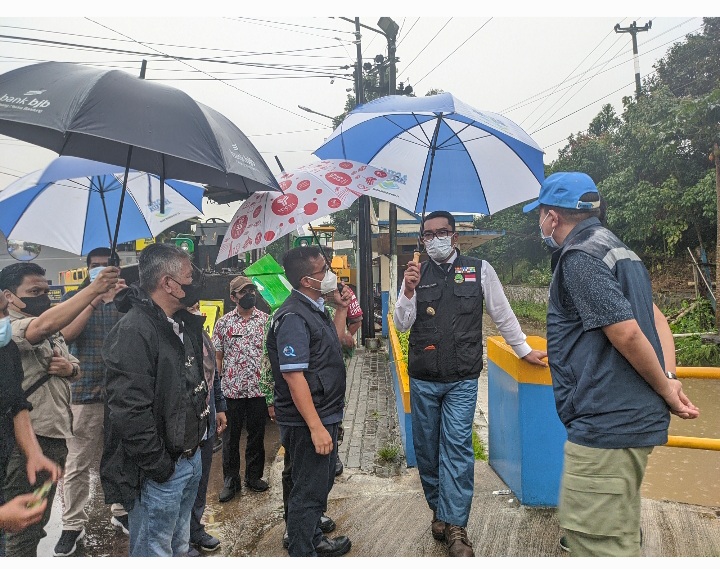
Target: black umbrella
[[114, 117]]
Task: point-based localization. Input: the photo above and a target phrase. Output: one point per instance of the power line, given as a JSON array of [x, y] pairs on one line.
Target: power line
[[222, 81], [457, 48], [426, 45]]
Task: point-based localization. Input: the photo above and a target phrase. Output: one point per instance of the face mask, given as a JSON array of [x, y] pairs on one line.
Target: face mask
[[328, 284], [94, 272], [35, 305], [549, 240], [192, 294], [439, 248], [5, 331], [247, 301]]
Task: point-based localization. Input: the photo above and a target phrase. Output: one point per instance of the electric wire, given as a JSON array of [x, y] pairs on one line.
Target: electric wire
[[452, 52], [426, 45]]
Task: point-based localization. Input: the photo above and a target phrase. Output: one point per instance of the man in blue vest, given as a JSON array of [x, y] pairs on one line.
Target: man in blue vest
[[307, 363], [612, 389], [441, 303]]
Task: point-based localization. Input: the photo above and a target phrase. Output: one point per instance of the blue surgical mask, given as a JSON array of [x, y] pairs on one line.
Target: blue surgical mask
[[94, 272], [5, 331], [549, 239]]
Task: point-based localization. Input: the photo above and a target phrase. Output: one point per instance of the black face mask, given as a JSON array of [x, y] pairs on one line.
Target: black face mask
[[192, 293], [247, 301], [35, 305]]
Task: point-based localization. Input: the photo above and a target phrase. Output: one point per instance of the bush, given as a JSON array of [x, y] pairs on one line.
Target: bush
[[692, 351]]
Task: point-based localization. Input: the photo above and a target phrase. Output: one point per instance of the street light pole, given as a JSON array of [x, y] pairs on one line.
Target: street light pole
[[390, 29], [364, 230]]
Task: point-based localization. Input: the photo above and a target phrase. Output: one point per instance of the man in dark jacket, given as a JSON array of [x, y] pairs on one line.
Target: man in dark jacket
[[156, 409], [307, 363]]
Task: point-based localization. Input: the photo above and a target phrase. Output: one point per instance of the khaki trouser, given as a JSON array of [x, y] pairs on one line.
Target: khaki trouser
[[600, 500], [83, 449]]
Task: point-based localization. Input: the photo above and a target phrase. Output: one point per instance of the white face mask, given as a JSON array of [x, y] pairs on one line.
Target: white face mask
[[328, 284], [94, 272], [439, 248], [5, 331]]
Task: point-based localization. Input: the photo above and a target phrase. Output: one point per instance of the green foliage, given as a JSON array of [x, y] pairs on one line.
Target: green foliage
[[403, 337], [692, 351], [528, 309], [478, 447], [389, 452]]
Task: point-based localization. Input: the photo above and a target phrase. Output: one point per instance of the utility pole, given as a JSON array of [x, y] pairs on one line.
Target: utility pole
[[633, 31], [364, 230], [390, 28]]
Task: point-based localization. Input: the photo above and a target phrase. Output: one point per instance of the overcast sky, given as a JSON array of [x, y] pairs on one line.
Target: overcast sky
[[551, 75]]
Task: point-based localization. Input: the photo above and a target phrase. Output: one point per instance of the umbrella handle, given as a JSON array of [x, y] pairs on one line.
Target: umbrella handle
[[416, 256]]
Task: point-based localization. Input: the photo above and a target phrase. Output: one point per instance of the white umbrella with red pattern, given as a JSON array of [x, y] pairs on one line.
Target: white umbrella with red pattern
[[309, 192]]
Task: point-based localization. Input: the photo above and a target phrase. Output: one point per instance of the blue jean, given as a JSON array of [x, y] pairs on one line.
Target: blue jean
[[442, 419], [160, 517]]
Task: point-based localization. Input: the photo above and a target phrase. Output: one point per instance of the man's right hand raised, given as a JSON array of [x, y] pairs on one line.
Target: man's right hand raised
[[411, 278]]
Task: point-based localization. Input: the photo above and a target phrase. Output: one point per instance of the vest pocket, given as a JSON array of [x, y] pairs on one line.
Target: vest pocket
[[467, 296], [423, 357], [468, 349]]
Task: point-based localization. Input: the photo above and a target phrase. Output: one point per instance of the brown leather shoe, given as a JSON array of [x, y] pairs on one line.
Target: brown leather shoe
[[458, 543], [437, 527]]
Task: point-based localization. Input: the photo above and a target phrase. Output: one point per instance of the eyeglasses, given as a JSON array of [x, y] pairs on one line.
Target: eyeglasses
[[441, 233], [324, 270]]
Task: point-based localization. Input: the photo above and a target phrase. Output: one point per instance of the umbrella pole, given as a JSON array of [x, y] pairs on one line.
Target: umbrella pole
[[113, 259], [433, 147], [102, 199], [162, 187]]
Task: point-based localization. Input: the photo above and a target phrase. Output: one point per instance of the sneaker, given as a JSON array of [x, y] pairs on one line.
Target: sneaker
[[564, 544], [338, 466], [228, 492], [217, 445], [67, 544], [205, 541], [257, 485], [192, 552], [286, 539], [122, 523]]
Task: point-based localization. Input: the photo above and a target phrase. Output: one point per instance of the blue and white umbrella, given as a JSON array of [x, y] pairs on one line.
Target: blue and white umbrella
[[73, 205], [438, 153]]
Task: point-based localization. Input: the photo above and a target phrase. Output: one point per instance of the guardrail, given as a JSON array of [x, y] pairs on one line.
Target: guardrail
[[398, 366]]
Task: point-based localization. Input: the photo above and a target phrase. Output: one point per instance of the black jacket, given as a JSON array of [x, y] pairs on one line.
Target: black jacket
[[145, 405]]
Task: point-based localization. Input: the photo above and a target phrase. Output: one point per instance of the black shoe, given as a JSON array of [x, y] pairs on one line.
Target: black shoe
[[338, 466], [205, 541], [333, 547], [564, 544], [67, 544], [217, 445], [122, 523], [286, 539], [326, 524], [257, 485], [192, 552], [232, 485]]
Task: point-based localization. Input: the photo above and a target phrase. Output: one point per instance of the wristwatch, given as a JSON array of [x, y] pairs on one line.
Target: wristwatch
[[670, 375], [75, 370]]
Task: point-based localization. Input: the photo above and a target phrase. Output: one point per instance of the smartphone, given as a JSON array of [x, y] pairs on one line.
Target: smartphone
[[40, 494]]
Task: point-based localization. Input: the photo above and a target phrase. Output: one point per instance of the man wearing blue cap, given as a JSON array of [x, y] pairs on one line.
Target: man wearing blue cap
[[612, 390]]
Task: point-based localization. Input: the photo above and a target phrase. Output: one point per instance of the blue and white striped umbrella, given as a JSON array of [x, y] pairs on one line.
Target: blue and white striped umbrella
[[438, 153], [73, 204]]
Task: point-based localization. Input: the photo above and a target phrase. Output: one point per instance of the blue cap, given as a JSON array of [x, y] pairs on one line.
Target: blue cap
[[564, 189]]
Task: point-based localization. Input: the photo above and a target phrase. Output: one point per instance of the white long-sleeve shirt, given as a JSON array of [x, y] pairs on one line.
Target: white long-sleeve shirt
[[496, 305]]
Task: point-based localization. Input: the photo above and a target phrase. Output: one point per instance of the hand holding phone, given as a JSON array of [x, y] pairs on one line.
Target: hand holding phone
[[40, 494]]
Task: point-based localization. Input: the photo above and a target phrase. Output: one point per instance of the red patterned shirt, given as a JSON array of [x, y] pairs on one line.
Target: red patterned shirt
[[241, 342]]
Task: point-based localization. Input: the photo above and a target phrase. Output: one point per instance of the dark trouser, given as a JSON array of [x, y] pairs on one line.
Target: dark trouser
[[253, 413], [312, 478], [25, 543], [206, 455]]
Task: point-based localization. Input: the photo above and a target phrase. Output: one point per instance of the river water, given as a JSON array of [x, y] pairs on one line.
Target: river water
[[690, 476]]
